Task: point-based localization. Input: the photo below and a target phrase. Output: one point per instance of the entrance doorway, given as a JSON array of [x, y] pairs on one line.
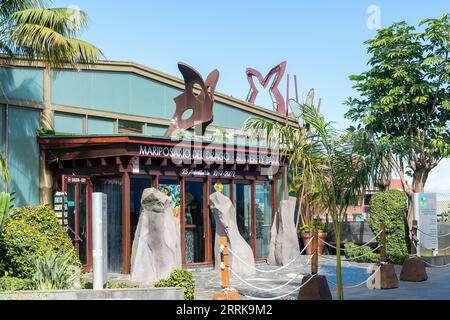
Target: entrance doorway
[[112, 187], [195, 231], [79, 218]]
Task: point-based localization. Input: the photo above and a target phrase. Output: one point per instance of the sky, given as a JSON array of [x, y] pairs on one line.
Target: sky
[[322, 42]]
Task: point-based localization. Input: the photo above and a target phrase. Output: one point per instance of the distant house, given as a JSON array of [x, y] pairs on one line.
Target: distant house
[[361, 211]]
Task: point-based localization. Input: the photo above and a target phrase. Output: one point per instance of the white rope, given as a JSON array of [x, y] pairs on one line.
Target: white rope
[[430, 235], [352, 264], [355, 248], [268, 289], [284, 295], [270, 271], [436, 266], [359, 284], [365, 254], [423, 247]]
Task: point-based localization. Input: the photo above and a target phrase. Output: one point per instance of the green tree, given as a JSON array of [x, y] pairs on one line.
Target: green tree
[[338, 162], [32, 31], [404, 99]]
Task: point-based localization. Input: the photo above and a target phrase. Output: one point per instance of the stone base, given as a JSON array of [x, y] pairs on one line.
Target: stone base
[[316, 289], [226, 295], [389, 278], [413, 270]]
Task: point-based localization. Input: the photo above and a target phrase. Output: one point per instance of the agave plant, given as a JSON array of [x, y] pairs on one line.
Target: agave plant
[[55, 272]]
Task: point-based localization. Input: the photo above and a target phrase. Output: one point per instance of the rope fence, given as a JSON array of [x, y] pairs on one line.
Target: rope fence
[[275, 270], [355, 248], [268, 289], [284, 295]]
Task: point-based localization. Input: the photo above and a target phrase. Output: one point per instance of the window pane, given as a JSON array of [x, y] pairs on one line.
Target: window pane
[[130, 127], [68, 123], [23, 155], [100, 126], [156, 130], [263, 203]]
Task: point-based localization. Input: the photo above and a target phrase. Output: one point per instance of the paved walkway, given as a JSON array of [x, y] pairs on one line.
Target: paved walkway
[[436, 288]]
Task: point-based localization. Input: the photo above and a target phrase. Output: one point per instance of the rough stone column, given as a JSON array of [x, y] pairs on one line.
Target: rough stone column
[[45, 174]]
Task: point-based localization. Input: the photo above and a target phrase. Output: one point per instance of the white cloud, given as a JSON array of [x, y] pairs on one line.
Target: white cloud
[[439, 178]]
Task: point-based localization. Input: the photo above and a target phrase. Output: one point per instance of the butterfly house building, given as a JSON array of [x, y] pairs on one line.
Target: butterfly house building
[[119, 128]]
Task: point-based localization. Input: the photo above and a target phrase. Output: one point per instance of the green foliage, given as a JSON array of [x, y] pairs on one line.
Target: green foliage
[[363, 255], [5, 208], [121, 285], [54, 271], [389, 207], [322, 226], [32, 232], [404, 97], [35, 31], [180, 278], [14, 284]]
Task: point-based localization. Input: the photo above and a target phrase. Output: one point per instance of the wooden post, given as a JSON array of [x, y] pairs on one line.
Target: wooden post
[[383, 257], [414, 237], [224, 262], [227, 293], [315, 242]]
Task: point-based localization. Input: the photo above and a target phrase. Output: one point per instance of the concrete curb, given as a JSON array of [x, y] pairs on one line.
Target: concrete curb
[[107, 294]]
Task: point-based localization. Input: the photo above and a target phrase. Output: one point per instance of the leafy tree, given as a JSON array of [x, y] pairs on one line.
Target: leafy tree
[[338, 162], [31, 30], [404, 99]]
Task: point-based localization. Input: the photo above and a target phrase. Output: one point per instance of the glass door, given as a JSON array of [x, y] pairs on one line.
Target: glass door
[[112, 187], [194, 215], [225, 185], [243, 205], [79, 219], [263, 203]]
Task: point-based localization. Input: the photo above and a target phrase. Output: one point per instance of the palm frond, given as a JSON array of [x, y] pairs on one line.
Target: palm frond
[[68, 22]]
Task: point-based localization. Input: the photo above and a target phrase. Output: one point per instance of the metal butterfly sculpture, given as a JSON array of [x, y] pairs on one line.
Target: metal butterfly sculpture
[[200, 103], [277, 73], [297, 109]]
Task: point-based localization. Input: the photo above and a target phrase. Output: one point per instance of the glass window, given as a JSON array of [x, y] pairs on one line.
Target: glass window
[[23, 155], [100, 126], [263, 202], [156, 130], [68, 123], [130, 127]]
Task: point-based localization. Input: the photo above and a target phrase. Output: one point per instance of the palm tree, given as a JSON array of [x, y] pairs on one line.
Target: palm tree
[[32, 31], [336, 167]]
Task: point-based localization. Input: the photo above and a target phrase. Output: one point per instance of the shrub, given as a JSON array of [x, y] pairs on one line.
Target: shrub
[[55, 272], [121, 285], [14, 284], [390, 207], [322, 226], [180, 278], [363, 255], [32, 232]]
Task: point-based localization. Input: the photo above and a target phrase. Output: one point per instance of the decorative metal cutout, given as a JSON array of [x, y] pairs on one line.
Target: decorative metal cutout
[[277, 97], [200, 103]]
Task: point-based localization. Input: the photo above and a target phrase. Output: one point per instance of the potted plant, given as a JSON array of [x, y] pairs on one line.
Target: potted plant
[[306, 232]]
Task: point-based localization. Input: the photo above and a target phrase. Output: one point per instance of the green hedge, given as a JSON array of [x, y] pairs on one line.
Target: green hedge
[[32, 232], [180, 278], [390, 207], [363, 254]]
